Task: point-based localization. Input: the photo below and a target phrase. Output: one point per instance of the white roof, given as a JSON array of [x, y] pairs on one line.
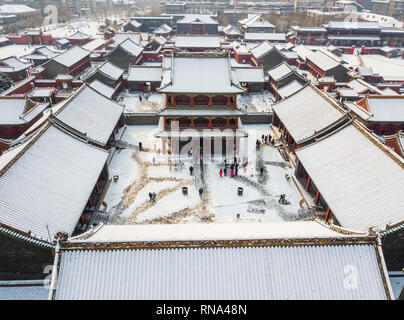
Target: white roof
[[49, 185], [89, 112], [11, 110], [102, 88], [197, 42], [262, 49], [289, 89], [15, 9], [322, 60], [250, 36], [94, 44], [248, 75], [183, 79], [163, 29], [302, 51], [280, 71], [386, 109], [79, 36], [203, 18], [353, 25], [359, 111], [358, 178], [208, 231], [301, 272], [110, 70], [145, 73], [71, 56], [307, 112], [389, 68], [130, 47]]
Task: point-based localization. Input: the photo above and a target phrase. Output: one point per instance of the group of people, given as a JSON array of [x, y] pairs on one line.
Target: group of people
[[233, 167], [265, 139], [152, 197], [146, 96]]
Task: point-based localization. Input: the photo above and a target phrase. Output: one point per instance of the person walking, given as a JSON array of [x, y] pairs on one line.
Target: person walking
[[191, 169], [200, 192], [220, 172], [154, 198], [231, 173], [140, 98], [236, 171], [150, 196], [262, 170], [225, 171], [282, 199]]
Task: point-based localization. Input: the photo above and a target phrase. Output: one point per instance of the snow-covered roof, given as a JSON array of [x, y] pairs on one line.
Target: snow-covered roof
[[130, 47], [289, 89], [195, 18], [197, 42], [357, 110], [138, 38], [163, 29], [94, 44], [359, 178], [21, 110], [90, 113], [71, 56], [256, 21], [249, 36], [110, 70], [145, 73], [307, 112], [302, 51], [386, 109], [208, 231], [389, 68], [213, 76], [349, 25], [102, 88], [231, 30], [15, 9], [249, 75], [63, 41], [12, 64], [79, 36], [262, 49], [48, 185], [296, 272], [322, 60], [280, 71]]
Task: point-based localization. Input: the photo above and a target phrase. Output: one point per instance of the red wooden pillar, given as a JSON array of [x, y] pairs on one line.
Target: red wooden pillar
[[288, 137], [90, 203], [327, 214], [167, 100], [280, 124], [317, 198], [192, 123], [210, 102], [294, 147], [210, 123], [192, 103], [173, 101], [165, 122], [97, 187], [82, 220], [116, 128], [308, 184], [228, 104], [204, 28], [227, 123]]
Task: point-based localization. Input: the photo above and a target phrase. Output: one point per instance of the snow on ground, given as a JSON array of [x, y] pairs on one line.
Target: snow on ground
[[151, 102], [175, 201], [255, 102], [24, 293], [128, 200]]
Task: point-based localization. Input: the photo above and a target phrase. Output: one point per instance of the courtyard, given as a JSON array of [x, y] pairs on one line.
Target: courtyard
[[142, 172]]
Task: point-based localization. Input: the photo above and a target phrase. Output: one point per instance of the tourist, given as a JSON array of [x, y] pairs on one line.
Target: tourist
[[236, 171], [191, 169], [154, 198], [220, 172], [231, 173], [200, 192], [262, 170], [150, 196], [225, 171], [282, 199]]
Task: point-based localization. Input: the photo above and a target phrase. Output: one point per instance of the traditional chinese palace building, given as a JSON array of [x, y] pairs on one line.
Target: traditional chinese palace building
[[197, 99]]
